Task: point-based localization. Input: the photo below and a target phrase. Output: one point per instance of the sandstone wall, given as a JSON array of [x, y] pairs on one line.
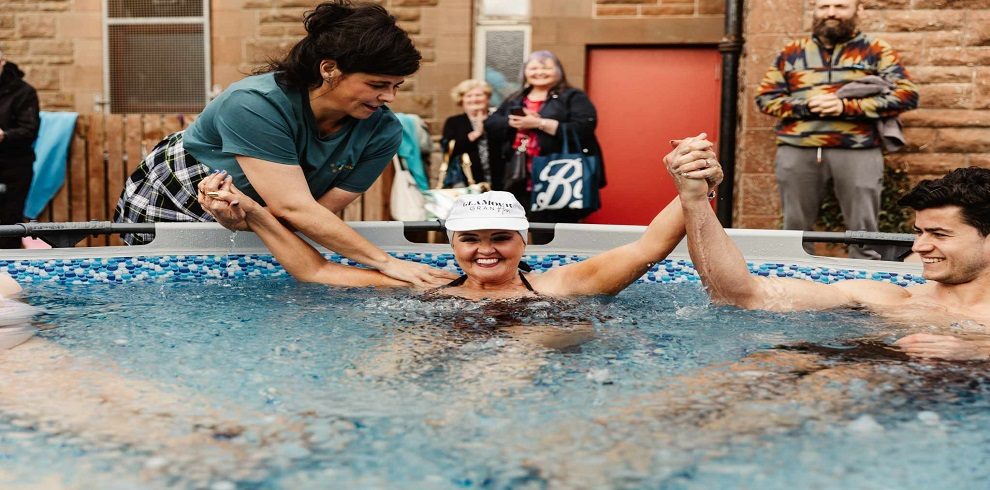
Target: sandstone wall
[[441, 30], [58, 44], [945, 45]]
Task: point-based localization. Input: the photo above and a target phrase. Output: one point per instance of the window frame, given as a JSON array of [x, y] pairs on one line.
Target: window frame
[[481, 43], [203, 20]]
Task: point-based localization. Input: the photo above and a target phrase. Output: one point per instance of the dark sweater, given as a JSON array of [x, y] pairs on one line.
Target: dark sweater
[[456, 129], [19, 118]]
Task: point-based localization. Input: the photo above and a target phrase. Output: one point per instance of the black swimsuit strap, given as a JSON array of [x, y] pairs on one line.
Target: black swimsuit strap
[[456, 282], [526, 283], [461, 280]]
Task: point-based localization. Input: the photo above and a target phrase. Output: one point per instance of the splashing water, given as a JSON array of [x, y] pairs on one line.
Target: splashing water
[[277, 384]]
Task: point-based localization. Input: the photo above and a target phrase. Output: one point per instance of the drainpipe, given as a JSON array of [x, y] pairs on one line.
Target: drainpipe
[[731, 49]]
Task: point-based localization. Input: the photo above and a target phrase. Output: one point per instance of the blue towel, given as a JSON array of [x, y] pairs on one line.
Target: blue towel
[[409, 149], [51, 150]]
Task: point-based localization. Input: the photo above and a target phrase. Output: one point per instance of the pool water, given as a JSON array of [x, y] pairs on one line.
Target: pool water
[[269, 383]]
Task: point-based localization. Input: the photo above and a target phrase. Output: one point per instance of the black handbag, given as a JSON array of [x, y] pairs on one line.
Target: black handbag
[[515, 169]]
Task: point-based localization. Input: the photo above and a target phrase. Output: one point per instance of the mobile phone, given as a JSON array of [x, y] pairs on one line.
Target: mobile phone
[[517, 111]]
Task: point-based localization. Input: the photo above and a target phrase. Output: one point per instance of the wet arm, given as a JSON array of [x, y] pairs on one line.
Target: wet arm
[[288, 197], [304, 262], [726, 276], [615, 269], [716, 257], [972, 348]]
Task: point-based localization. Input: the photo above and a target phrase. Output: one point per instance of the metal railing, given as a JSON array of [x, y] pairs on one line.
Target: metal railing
[[68, 234]]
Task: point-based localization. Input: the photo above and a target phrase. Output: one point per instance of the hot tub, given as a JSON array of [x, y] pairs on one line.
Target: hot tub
[[195, 361]]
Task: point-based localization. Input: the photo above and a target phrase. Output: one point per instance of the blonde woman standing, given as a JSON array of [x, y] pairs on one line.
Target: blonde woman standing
[[467, 130]]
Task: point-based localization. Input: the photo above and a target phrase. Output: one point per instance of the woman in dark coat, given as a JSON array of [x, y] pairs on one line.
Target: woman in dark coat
[[19, 123], [539, 115], [467, 131]]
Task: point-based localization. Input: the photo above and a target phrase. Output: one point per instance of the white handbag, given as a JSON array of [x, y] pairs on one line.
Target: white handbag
[[440, 201], [405, 200]]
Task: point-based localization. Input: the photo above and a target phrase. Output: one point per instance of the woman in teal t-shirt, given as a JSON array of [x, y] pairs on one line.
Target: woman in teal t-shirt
[[305, 138]]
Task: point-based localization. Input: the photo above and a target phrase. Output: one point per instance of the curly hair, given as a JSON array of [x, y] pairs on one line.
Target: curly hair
[[457, 93], [359, 37], [968, 188]]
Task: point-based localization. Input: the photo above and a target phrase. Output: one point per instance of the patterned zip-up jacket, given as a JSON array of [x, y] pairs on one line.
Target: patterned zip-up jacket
[[805, 68]]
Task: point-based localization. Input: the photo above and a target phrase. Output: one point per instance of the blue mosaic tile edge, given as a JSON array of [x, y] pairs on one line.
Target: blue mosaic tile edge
[[200, 267]]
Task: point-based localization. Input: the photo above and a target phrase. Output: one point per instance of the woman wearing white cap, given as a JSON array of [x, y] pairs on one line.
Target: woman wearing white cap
[[487, 233]]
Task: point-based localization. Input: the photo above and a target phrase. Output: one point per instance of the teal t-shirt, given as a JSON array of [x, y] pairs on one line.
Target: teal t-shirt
[[256, 117]]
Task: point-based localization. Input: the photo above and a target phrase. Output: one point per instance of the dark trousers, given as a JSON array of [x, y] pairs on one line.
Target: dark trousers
[[17, 178]]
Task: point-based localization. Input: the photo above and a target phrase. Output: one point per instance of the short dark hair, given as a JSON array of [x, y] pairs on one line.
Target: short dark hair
[[359, 37], [968, 188]]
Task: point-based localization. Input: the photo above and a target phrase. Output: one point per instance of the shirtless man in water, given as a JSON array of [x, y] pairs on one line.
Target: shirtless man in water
[[952, 225], [692, 416]]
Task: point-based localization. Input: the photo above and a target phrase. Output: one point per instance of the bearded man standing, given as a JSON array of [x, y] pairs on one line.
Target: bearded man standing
[[827, 133]]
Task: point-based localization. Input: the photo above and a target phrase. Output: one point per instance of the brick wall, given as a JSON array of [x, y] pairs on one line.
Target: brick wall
[[570, 27], [441, 30], [52, 42], [658, 8], [58, 43], [945, 45]]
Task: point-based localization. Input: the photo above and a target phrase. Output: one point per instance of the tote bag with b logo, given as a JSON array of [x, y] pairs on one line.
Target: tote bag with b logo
[[566, 180]]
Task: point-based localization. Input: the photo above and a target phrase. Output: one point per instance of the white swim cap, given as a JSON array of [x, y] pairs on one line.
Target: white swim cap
[[493, 210]]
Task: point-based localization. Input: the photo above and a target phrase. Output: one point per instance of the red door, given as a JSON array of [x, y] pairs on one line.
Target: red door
[[645, 97]]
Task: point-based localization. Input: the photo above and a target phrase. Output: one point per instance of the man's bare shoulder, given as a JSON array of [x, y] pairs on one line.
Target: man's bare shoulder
[[869, 292]]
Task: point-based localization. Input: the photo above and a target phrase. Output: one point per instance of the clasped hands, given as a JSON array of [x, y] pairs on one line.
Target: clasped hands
[[693, 166], [227, 210], [826, 105]]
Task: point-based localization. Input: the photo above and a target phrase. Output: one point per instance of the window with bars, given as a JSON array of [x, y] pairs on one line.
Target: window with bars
[[157, 55], [502, 41]]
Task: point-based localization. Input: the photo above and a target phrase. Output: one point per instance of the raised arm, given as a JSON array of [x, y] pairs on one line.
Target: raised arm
[[614, 270], [296, 256], [726, 276]]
